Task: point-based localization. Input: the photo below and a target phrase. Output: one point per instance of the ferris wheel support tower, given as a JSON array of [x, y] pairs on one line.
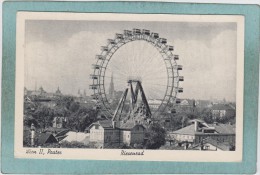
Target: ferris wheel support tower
[[133, 100], [104, 59]]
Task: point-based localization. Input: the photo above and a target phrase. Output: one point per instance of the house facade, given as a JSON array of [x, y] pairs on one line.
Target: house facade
[[212, 145], [106, 133], [223, 110], [59, 122], [199, 131], [132, 133]]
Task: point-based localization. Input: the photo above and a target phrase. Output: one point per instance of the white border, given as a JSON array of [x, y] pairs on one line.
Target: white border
[[114, 154]]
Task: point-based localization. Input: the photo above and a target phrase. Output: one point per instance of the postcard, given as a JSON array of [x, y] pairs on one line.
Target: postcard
[[142, 87]]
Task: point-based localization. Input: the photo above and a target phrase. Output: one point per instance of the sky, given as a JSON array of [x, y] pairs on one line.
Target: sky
[[60, 53]]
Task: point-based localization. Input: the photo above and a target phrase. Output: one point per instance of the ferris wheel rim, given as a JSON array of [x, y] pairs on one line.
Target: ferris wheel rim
[[100, 92]]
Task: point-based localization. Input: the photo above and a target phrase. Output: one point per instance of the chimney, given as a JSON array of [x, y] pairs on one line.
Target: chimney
[[196, 126], [32, 134], [114, 124]]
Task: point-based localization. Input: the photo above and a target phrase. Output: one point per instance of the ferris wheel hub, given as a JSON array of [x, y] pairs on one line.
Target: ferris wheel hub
[[169, 58]]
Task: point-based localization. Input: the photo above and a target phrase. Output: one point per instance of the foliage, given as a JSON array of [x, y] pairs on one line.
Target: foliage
[[64, 102], [124, 146], [82, 118], [51, 145], [138, 146], [74, 106], [44, 116], [232, 147], [225, 119], [73, 144], [155, 136], [206, 115], [28, 120], [171, 147]]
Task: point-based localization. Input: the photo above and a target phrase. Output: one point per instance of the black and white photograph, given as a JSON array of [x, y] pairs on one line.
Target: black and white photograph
[[130, 83]]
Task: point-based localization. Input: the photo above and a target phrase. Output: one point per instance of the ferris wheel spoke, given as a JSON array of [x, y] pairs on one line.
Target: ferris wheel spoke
[[141, 55], [153, 95], [155, 78], [159, 69], [154, 74], [117, 79], [119, 71], [154, 89], [118, 68], [156, 85]]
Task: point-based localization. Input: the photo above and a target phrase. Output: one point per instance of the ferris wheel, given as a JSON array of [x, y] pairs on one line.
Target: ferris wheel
[[137, 56]]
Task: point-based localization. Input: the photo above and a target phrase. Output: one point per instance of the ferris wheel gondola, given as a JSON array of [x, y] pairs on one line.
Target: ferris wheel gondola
[[103, 61]]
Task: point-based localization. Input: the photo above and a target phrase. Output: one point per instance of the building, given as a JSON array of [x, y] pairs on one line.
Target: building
[[59, 122], [132, 132], [41, 96], [102, 133], [38, 138], [212, 145], [186, 105], [203, 104], [72, 136], [58, 92], [197, 132], [154, 103], [223, 110], [45, 138], [107, 133]]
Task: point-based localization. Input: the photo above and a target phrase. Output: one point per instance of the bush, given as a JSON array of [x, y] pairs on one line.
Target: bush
[[155, 136], [73, 144]]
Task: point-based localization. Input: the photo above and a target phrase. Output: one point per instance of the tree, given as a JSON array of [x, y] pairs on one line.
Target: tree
[[64, 101], [74, 106], [82, 118], [73, 144], [155, 136], [207, 116], [44, 116], [28, 120], [177, 121]]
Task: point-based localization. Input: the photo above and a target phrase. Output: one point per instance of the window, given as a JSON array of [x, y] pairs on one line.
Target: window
[[96, 127]]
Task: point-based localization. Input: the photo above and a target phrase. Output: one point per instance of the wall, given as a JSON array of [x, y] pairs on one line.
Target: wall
[[137, 135], [184, 137], [126, 137], [112, 137], [96, 134], [230, 138]]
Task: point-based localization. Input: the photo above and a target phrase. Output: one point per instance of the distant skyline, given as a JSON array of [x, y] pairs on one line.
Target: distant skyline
[[60, 53]]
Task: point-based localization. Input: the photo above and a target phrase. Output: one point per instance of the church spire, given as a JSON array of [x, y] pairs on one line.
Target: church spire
[[111, 87], [85, 94], [58, 90]]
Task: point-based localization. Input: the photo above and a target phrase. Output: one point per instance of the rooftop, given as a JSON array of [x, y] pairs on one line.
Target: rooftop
[[188, 130], [105, 123], [219, 128], [220, 145], [129, 125], [224, 128], [43, 137]]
